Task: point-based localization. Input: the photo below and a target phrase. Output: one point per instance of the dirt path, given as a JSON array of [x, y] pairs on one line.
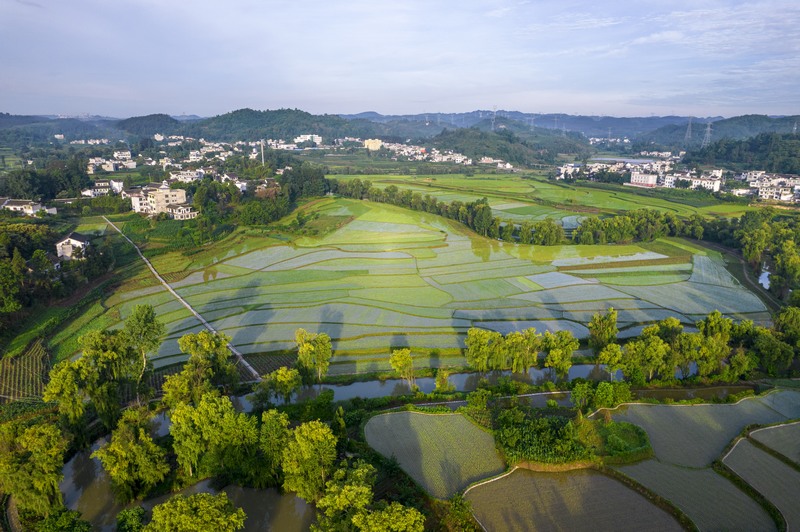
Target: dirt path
[[239, 357]]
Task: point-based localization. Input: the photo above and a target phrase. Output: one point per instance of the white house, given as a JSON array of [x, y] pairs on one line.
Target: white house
[[26, 207], [181, 211], [67, 247], [640, 179]]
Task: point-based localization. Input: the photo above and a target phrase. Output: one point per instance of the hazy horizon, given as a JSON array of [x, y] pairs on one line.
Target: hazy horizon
[[138, 57]]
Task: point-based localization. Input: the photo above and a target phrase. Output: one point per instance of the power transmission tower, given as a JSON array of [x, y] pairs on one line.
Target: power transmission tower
[[687, 138], [794, 129], [494, 116], [262, 152], [707, 137], [609, 135]]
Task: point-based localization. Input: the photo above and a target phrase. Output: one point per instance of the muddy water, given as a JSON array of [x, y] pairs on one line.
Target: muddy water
[[463, 382], [86, 488]]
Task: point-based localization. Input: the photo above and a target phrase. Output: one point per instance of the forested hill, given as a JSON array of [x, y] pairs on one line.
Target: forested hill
[[289, 123], [736, 128], [146, 126], [506, 145], [772, 152]]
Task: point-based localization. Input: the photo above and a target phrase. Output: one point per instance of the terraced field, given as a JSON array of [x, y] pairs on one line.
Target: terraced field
[[444, 453], [574, 500], [686, 439], [376, 277]]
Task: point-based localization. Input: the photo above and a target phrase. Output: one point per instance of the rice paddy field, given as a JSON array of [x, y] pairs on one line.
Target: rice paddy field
[[696, 435], [784, 439], [517, 197], [686, 439], [574, 500], [774, 479], [443, 453], [376, 277]]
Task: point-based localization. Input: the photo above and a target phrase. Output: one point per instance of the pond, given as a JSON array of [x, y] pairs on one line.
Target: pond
[[87, 489]]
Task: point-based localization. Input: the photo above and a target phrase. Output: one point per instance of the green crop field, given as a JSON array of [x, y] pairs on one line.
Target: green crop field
[[376, 277], [772, 478], [23, 376], [444, 453], [710, 500], [695, 435], [515, 197], [784, 439], [573, 500]]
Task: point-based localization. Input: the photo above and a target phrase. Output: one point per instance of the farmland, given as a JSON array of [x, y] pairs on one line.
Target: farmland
[[22, 377], [695, 435], [575, 500], [686, 439], [444, 453], [516, 197], [376, 277], [772, 478], [782, 439]]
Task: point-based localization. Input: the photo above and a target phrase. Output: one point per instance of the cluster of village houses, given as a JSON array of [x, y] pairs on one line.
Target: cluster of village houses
[[659, 172]]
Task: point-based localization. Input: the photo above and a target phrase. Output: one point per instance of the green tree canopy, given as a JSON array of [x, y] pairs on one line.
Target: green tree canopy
[[402, 362], [308, 460], [200, 512], [314, 351], [31, 459], [134, 463]]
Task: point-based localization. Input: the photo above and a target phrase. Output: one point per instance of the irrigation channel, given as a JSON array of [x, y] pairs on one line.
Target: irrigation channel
[[87, 489]]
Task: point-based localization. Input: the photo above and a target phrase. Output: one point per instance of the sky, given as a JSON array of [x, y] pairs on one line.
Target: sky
[[207, 57]]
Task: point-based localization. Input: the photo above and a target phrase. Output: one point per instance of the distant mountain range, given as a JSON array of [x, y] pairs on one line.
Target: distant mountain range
[[248, 124]]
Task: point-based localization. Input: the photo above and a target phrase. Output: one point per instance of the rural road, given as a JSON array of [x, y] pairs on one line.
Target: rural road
[[239, 357]]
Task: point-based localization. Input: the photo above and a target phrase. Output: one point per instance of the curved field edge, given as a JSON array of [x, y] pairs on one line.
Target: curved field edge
[[443, 453], [769, 480], [576, 500]]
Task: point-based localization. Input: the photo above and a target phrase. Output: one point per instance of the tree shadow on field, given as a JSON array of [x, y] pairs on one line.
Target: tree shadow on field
[[331, 323], [393, 436], [399, 341]]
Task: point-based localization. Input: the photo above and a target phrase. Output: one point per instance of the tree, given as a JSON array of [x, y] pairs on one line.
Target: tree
[[347, 494], [394, 518], [787, 323], [197, 513], [559, 348], [402, 362], [62, 520], [603, 330], [65, 388], [31, 459], [134, 463], [187, 439], [611, 356], [314, 351], [211, 348], [144, 332], [604, 395], [284, 381], [10, 283], [274, 435], [480, 344], [130, 520], [582, 395], [308, 460], [188, 386], [523, 349], [443, 384]]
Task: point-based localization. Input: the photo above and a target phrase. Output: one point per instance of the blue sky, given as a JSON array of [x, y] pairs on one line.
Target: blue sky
[[134, 57]]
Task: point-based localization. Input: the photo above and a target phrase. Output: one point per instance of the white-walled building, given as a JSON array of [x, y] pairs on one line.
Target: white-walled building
[[67, 247]]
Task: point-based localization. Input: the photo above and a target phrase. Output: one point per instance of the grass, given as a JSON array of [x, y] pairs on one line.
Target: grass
[[444, 453], [573, 500], [778, 482]]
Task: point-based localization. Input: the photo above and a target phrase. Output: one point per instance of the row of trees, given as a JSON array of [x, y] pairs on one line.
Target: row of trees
[[720, 349], [637, 225]]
